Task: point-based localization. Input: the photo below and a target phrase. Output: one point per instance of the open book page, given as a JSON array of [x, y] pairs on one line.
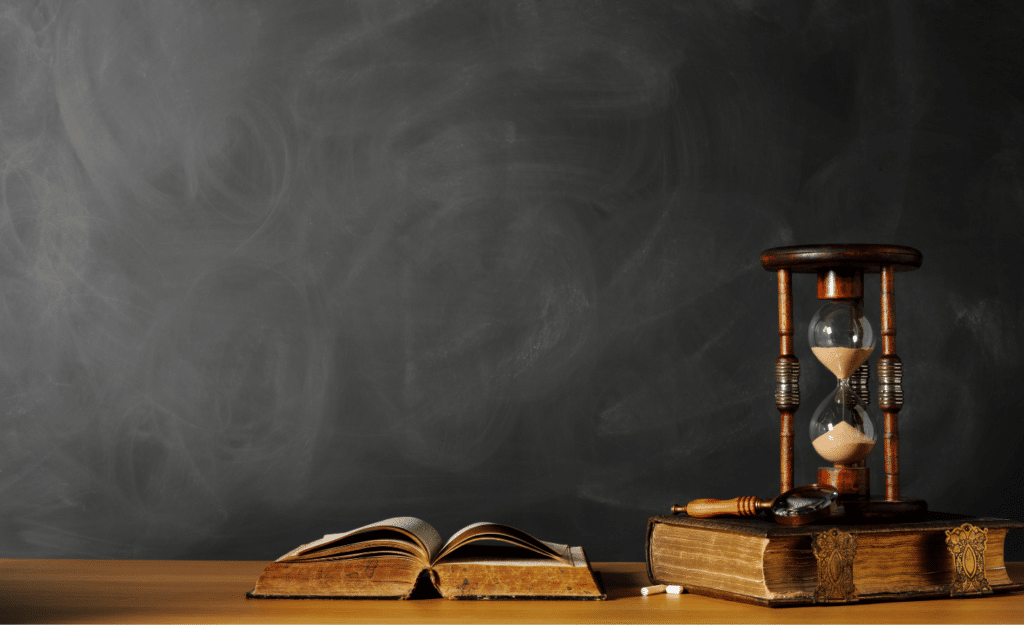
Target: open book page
[[387, 537], [514, 556], [506, 534]]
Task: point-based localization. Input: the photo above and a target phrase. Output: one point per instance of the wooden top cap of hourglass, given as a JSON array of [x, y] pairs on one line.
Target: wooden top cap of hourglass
[[813, 258]]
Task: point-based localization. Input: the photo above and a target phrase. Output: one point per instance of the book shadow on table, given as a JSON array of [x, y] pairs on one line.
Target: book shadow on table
[[618, 585]]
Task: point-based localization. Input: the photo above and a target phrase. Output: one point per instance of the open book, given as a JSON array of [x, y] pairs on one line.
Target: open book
[[385, 560]]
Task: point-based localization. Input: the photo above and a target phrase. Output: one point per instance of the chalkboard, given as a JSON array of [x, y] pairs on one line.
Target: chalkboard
[[270, 270]]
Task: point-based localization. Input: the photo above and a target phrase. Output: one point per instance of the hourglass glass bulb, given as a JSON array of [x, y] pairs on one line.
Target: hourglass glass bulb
[[841, 430], [842, 339]]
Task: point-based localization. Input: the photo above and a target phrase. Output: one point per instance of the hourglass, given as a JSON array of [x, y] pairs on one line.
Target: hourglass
[[841, 429], [842, 339]]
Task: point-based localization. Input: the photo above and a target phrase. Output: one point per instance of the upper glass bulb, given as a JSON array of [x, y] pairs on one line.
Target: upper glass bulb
[[841, 337]]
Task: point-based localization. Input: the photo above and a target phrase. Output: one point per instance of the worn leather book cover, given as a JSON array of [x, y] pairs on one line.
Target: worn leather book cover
[[757, 561], [391, 558]]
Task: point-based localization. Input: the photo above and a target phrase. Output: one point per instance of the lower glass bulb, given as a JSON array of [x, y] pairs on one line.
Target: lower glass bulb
[[841, 430]]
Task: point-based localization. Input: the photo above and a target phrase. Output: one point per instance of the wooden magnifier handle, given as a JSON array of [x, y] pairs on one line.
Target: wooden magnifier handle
[[741, 506]]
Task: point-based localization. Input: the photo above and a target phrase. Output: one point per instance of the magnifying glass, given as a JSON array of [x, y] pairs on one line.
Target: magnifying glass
[[799, 506]]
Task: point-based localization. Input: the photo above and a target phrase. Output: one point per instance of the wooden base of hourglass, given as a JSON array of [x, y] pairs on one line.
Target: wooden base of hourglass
[[853, 484], [848, 480]]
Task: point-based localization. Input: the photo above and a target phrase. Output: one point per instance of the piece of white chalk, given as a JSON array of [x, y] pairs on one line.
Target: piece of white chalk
[[671, 589]]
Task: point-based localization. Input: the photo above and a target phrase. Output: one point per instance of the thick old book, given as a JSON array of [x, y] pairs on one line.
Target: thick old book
[[757, 561], [385, 560]]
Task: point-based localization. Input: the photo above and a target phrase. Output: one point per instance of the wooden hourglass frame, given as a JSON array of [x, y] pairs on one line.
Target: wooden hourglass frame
[[840, 273]]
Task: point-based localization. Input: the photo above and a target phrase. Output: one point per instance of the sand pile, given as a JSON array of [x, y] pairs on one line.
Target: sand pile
[[842, 361], [843, 444]]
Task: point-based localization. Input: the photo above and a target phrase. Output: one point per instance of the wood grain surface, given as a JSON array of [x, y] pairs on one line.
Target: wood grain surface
[[150, 591]]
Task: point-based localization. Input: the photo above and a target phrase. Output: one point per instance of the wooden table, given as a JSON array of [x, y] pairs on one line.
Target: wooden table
[[149, 591]]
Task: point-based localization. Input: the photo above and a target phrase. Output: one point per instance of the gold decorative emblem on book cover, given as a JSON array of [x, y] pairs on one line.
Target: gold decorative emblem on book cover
[[967, 546], [834, 551]]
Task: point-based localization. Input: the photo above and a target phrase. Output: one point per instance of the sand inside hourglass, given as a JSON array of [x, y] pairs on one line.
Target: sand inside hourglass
[[842, 361], [843, 444]]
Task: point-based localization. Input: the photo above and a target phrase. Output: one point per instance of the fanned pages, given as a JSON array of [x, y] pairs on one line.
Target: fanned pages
[[385, 560], [393, 534], [507, 534]]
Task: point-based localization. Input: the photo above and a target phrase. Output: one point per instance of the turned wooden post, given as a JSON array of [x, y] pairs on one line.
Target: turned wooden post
[[787, 381], [890, 388]]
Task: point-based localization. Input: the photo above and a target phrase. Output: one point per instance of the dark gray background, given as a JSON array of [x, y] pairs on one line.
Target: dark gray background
[[276, 269]]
